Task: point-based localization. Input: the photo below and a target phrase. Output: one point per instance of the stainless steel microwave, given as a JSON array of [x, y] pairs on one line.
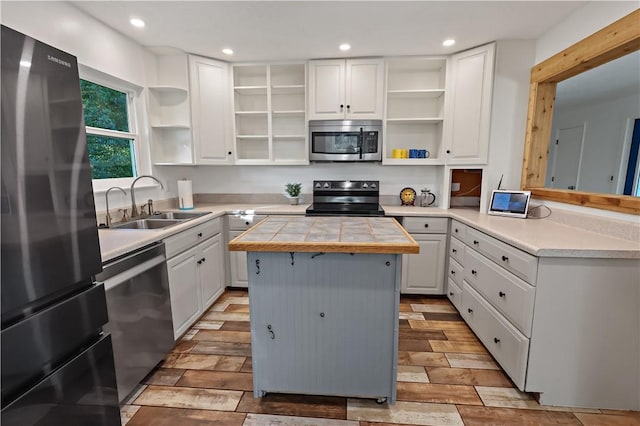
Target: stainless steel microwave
[[345, 140]]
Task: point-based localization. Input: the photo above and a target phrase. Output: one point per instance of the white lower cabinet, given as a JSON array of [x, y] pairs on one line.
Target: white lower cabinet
[[238, 263], [196, 273], [184, 291], [423, 273]]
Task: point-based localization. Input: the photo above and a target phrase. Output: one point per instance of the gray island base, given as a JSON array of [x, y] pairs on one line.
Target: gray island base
[[324, 318]]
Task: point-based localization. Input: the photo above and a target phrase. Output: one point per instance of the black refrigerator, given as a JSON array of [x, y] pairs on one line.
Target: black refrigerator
[[57, 363]]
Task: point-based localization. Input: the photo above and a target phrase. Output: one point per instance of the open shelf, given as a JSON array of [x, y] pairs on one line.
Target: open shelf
[[170, 126], [423, 93], [415, 120], [251, 90], [168, 89], [252, 112], [291, 89]]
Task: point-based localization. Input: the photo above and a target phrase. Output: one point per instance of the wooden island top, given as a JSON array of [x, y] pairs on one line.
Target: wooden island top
[[326, 234]]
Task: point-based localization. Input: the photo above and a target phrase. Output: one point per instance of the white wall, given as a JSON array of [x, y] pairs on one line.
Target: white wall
[[514, 59], [271, 179], [585, 21], [604, 137]]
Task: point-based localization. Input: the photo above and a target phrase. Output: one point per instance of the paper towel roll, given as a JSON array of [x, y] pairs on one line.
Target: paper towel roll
[[185, 194]]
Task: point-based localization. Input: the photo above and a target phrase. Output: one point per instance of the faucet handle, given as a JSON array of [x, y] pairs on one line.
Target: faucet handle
[[143, 208], [124, 215]]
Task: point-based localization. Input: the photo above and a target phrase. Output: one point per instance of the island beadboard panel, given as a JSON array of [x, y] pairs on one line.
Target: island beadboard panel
[[326, 234]]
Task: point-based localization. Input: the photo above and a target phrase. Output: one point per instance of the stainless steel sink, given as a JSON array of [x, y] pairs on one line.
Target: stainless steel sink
[[179, 215], [148, 224]]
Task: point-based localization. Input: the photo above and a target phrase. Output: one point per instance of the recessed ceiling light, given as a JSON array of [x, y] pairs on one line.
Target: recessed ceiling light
[[137, 22], [345, 46], [449, 42], [227, 51]]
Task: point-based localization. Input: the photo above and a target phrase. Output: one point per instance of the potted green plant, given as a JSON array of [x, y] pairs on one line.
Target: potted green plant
[[293, 191]]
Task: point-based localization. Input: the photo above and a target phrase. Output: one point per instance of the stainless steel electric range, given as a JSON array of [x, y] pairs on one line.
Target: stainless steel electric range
[[346, 198]]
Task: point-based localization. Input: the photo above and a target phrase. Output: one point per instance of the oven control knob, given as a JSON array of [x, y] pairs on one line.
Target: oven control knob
[[326, 184], [365, 185], [318, 185], [374, 186]]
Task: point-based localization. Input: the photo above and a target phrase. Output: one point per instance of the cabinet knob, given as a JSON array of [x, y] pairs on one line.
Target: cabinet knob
[[229, 152], [453, 272], [470, 310], [476, 242], [450, 293], [199, 262], [426, 225], [204, 260], [348, 106], [387, 263], [321, 314], [454, 250], [505, 258], [246, 223], [474, 272], [496, 340], [199, 234], [502, 294], [341, 106], [448, 151], [455, 230]]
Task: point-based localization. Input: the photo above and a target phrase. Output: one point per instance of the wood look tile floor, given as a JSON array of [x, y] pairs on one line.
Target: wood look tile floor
[[445, 377]]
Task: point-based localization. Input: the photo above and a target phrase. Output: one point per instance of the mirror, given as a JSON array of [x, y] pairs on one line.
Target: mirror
[[592, 146], [615, 41]]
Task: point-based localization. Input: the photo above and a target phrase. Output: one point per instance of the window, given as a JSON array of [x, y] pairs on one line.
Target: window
[[110, 136]]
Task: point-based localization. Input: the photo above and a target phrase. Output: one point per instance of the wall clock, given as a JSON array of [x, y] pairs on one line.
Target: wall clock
[[408, 196]]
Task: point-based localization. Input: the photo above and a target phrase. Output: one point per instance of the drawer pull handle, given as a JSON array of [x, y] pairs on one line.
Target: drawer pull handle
[[496, 340], [246, 223], [502, 294], [450, 293], [257, 266], [474, 272], [476, 242], [321, 314], [426, 225], [505, 258], [454, 250], [453, 272], [470, 310], [270, 330], [199, 234]]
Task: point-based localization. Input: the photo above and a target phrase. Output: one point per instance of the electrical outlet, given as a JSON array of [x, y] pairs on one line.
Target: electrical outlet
[[455, 187]]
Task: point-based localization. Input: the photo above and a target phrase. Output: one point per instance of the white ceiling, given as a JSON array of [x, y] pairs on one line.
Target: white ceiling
[[281, 30]]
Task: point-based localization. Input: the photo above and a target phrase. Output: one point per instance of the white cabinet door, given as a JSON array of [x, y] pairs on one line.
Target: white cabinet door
[[184, 290], [326, 89], [468, 114], [238, 261], [364, 88], [210, 270], [210, 110], [423, 273]]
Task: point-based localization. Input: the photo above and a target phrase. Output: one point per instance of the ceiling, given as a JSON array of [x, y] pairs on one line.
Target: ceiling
[[282, 30]]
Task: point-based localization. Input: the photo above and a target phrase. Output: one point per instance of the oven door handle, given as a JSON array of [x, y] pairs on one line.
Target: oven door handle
[[361, 142]]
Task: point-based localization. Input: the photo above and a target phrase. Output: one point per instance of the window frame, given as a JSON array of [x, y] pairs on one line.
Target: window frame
[[134, 114]]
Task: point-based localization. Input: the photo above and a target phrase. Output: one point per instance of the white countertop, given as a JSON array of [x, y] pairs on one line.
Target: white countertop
[[540, 237]]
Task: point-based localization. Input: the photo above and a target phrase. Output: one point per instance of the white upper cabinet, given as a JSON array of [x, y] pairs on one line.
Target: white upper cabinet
[[468, 113], [210, 111], [346, 89]]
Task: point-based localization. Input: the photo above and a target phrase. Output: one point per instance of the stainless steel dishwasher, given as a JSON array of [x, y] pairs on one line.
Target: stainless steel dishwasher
[[139, 310]]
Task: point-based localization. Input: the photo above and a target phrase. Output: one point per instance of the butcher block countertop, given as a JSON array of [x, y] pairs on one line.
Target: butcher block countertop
[[326, 234]]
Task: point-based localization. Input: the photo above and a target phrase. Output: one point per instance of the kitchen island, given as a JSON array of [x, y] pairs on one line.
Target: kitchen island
[[324, 304]]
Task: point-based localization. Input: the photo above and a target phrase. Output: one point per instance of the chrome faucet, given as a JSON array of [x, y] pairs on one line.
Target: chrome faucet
[[106, 196], [134, 209]]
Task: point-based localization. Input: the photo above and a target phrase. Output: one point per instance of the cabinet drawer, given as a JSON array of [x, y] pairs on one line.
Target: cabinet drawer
[[192, 236], [507, 345], [456, 250], [507, 293], [454, 294], [456, 271], [425, 225], [520, 263], [244, 222], [458, 229]]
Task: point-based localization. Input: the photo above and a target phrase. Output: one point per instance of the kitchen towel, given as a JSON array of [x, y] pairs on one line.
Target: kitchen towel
[[185, 194]]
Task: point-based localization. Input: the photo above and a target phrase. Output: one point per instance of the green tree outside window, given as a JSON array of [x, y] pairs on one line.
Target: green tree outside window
[[106, 108]]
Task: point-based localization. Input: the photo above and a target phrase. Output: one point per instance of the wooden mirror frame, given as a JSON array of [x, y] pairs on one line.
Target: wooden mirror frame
[[612, 42]]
